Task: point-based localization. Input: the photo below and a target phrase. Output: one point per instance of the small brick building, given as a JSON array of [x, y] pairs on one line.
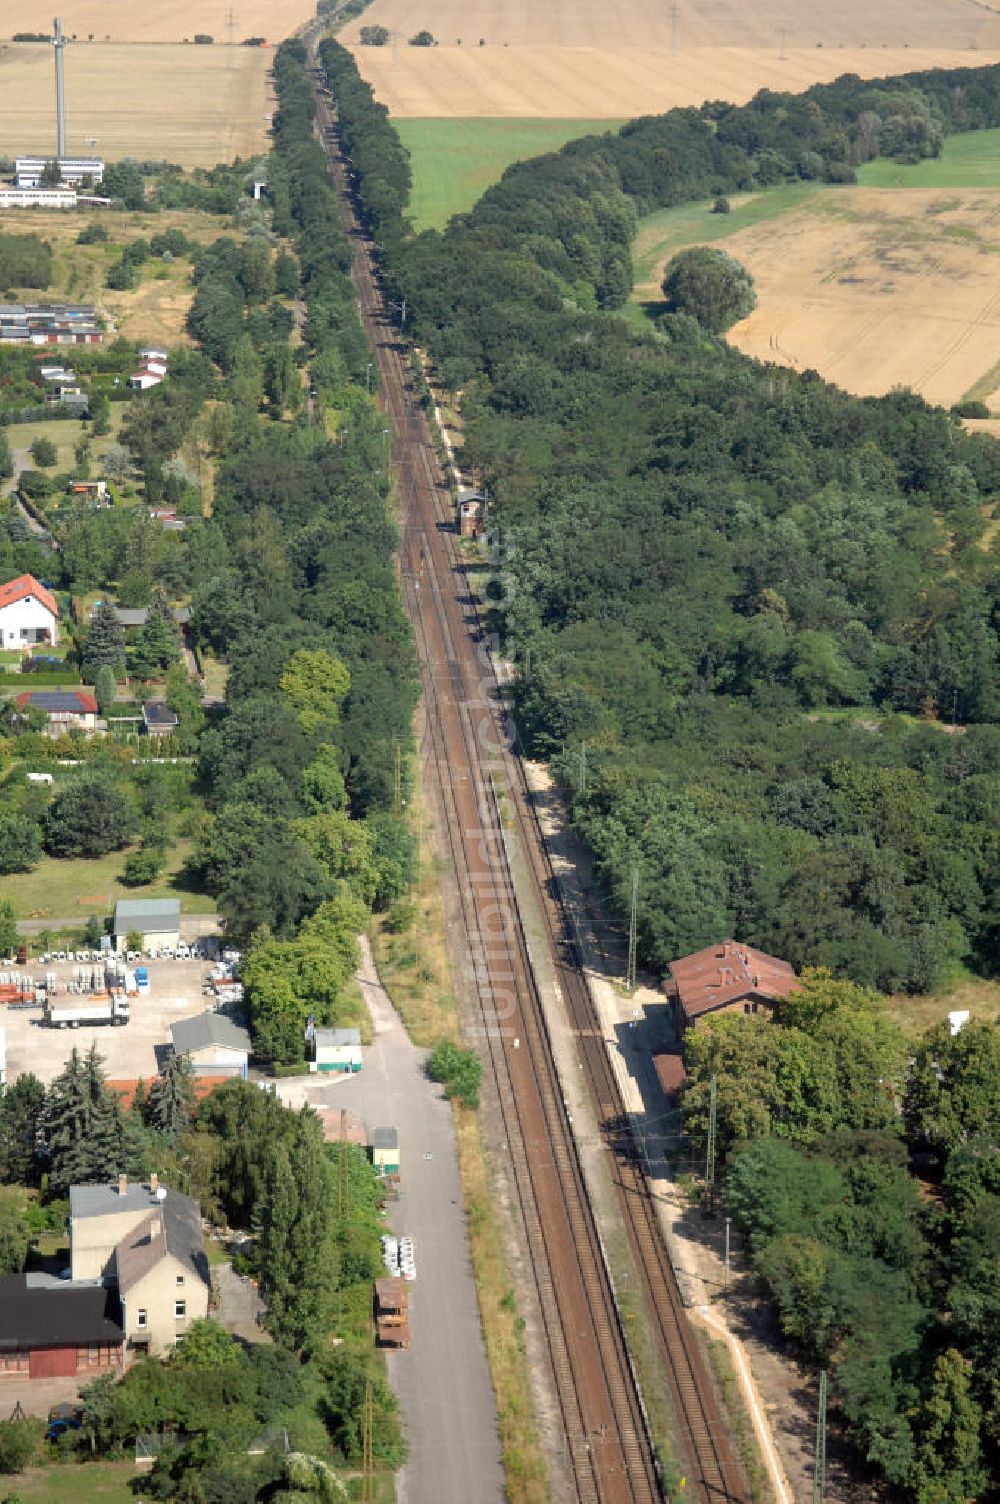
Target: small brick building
[[726, 978], [50, 1329]]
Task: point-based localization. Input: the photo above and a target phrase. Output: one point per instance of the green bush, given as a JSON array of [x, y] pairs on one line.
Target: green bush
[[459, 1071], [971, 409], [19, 1441]]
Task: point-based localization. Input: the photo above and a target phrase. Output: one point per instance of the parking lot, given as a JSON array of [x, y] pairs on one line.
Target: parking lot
[[131, 1050]]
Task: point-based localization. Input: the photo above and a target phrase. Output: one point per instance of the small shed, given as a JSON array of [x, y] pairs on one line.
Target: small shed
[[392, 1319], [471, 510], [338, 1050], [385, 1151], [214, 1045], [157, 920]]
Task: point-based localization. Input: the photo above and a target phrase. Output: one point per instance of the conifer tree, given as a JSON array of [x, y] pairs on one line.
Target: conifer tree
[[171, 1098], [86, 1135], [105, 643]]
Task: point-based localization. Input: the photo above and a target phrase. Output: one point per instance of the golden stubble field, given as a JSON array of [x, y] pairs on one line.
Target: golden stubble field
[[159, 20], [877, 288], [192, 105], [609, 59]]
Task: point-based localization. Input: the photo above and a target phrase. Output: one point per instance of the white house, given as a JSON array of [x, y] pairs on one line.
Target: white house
[[337, 1050], [214, 1045], [29, 171], [28, 614]]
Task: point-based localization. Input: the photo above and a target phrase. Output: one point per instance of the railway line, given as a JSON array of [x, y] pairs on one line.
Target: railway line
[[483, 799]]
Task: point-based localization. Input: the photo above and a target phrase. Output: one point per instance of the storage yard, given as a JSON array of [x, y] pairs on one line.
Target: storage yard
[[177, 989]]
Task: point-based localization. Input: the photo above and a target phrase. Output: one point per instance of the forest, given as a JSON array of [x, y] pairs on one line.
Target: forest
[[755, 626], [752, 598]]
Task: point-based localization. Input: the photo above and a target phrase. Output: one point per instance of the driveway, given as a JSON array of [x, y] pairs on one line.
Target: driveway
[[442, 1380]]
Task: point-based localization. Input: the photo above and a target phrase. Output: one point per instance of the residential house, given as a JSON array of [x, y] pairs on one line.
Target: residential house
[[50, 1329], [385, 1151], [214, 1045], [157, 920], [337, 1050], [29, 614], [727, 978], [66, 709], [145, 1242], [158, 719], [162, 1273]]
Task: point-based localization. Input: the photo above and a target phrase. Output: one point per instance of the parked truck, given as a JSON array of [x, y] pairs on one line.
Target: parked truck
[[82, 1013]]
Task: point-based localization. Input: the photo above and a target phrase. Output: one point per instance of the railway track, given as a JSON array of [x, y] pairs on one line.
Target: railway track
[[482, 795]]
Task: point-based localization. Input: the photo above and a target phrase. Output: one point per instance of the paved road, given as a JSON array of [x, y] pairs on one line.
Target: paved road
[[443, 1380], [22, 461]]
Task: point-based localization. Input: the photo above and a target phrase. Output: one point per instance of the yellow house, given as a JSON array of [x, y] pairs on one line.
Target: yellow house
[[163, 1278], [147, 1241]]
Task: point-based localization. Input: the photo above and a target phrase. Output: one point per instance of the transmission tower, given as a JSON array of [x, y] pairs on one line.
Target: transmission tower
[[673, 27], [819, 1470], [710, 1145], [630, 969], [397, 781], [581, 785], [367, 1449], [232, 37], [783, 49]]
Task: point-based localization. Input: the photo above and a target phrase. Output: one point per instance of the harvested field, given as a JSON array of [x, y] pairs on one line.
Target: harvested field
[[164, 21], [872, 288], [195, 106], [611, 59], [612, 83]]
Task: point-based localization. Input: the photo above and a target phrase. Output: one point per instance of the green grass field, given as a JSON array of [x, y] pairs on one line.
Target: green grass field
[[65, 889], [65, 434], [90, 1483], [455, 161], [971, 160]]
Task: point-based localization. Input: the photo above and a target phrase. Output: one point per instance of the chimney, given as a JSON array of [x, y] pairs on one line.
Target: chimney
[[154, 1181], [122, 1185]]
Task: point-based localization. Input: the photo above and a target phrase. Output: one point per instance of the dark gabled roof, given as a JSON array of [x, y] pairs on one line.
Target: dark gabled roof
[[173, 1227], [158, 713], [207, 1029], [70, 1316]]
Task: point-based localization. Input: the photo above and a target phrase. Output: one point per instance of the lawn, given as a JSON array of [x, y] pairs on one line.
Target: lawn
[[67, 889], [65, 434], [455, 161], [971, 160], [88, 1483]]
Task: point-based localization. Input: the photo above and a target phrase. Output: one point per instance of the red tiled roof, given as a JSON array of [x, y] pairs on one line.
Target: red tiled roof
[[22, 587], [723, 974], [86, 703]]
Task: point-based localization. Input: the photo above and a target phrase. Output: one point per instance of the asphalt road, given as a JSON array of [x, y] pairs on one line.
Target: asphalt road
[[443, 1379]]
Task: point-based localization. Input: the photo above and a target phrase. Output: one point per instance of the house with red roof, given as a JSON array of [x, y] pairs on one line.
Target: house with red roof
[[66, 709], [29, 614], [727, 978]]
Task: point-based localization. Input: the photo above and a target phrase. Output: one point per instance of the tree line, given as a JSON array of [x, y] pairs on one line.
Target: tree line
[[716, 576]]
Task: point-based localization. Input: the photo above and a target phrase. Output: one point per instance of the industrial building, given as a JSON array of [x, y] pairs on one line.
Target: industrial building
[[36, 198], [49, 324], [77, 171], [214, 1045], [157, 920]]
